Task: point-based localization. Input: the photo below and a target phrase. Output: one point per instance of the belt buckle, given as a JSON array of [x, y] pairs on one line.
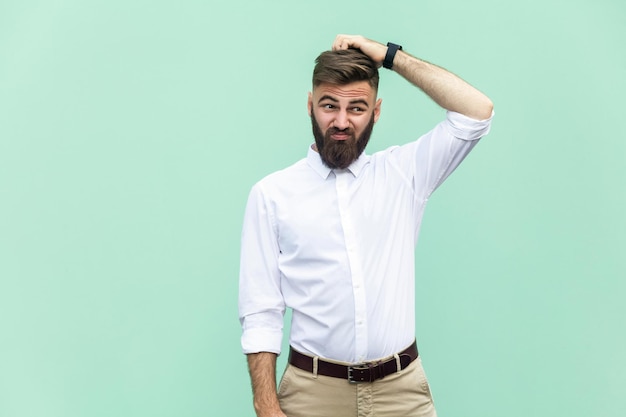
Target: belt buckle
[[358, 367]]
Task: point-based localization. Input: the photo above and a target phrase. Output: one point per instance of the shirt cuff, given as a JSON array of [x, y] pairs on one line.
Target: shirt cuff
[[257, 340], [466, 128]]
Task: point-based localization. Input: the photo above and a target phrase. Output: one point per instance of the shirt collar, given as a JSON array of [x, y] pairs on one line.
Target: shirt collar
[[315, 162]]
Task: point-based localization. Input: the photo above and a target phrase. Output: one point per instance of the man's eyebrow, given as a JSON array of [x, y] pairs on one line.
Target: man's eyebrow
[[360, 101], [327, 97], [352, 102]]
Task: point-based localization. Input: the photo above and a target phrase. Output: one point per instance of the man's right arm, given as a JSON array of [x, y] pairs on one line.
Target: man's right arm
[[261, 303], [262, 367]]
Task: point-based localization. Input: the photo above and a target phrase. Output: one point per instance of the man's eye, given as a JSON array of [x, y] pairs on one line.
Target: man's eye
[[357, 109], [328, 106]]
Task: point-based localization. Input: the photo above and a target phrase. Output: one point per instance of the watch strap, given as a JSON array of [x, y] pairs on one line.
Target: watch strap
[[392, 48]]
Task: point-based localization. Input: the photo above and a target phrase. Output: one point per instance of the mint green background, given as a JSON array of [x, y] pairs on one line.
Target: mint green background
[[132, 131]]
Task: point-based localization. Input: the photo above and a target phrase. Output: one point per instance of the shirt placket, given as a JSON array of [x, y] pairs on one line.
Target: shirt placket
[[343, 180]]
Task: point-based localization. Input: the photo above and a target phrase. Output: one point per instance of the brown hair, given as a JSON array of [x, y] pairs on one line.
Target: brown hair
[[345, 67]]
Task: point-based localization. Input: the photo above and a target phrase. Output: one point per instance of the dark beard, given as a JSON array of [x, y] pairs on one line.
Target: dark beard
[[340, 153]]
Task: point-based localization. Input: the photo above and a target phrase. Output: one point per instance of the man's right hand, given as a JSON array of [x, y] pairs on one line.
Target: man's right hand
[[262, 367], [278, 413]]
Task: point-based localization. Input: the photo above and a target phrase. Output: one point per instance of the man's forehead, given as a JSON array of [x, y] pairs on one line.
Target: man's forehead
[[359, 89]]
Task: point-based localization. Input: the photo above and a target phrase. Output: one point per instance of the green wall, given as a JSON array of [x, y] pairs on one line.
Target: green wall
[[132, 131]]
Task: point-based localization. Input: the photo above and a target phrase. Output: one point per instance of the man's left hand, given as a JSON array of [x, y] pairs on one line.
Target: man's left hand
[[376, 51]]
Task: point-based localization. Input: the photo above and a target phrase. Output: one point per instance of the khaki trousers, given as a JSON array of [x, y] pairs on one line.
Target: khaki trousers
[[403, 394]]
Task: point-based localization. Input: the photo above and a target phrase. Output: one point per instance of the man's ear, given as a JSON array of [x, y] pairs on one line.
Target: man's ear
[[377, 109], [309, 103]]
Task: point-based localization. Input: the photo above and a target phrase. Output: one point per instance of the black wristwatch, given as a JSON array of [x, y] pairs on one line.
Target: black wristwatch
[[392, 48]]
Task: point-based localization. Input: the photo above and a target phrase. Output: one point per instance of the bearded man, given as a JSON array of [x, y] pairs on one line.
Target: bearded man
[[333, 238]]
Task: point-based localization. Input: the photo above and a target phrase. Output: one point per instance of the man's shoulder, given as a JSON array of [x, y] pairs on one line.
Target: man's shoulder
[[285, 177]]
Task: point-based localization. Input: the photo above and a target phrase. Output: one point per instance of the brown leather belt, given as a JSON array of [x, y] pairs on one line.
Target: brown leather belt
[[362, 372]]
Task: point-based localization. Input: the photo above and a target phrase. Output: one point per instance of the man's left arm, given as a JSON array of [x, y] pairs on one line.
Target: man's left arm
[[445, 88]]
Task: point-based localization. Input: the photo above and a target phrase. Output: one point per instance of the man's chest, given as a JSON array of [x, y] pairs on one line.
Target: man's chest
[[335, 216]]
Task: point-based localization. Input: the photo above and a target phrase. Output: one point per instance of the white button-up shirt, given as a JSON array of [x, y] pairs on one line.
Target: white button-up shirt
[[338, 247]]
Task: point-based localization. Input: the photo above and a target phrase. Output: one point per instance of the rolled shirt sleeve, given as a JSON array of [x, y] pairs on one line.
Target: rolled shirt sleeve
[[439, 152], [261, 304], [466, 128]]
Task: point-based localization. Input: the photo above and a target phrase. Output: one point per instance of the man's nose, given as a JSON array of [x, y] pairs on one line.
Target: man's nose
[[341, 120]]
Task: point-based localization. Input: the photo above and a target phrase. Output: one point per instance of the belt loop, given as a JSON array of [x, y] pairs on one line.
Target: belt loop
[[398, 364], [315, 359]]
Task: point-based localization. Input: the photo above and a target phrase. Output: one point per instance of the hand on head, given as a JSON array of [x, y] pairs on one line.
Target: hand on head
[[376, 51]]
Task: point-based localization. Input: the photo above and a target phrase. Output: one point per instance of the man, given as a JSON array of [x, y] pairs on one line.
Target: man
[[333, 238]]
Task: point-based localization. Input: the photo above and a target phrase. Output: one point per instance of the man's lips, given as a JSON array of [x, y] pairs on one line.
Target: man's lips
[[341, 136]]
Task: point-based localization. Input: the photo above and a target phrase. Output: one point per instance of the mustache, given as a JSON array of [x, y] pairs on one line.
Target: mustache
[[333, 130]]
